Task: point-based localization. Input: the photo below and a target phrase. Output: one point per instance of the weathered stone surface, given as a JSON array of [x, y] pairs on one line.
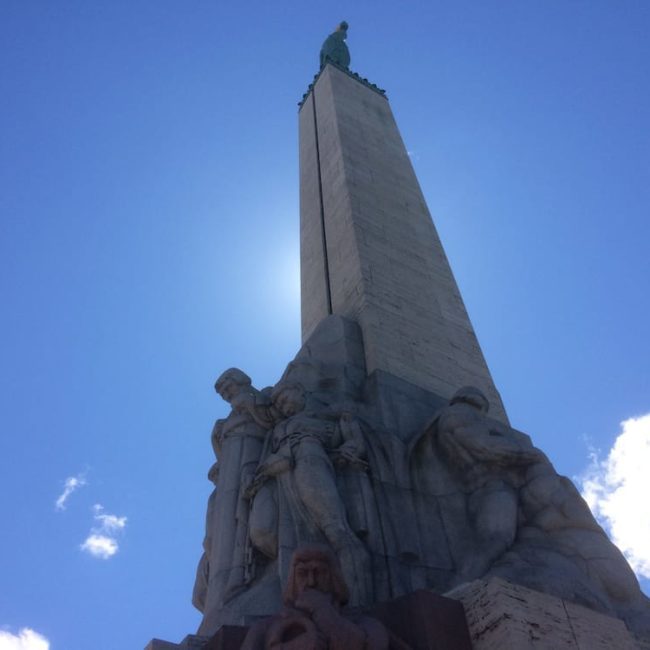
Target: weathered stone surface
[[501, 616], [410, 490], [642, 643], [369, 249]]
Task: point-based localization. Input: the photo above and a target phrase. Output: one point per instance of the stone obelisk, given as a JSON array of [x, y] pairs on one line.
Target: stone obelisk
[[369, 249], [377, 446]]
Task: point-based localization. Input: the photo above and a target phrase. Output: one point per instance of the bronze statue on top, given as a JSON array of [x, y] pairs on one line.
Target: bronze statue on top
[[334, 49]]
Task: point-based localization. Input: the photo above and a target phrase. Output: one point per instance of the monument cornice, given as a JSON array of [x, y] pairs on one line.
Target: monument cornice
[[353, 75]]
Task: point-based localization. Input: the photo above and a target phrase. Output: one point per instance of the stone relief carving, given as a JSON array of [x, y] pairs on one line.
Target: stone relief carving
[[313, 617], [237, 442], [408, 490], [489, 461], [302, 450]]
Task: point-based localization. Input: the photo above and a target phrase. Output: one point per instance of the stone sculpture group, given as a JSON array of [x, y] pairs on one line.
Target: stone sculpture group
[[409, 491]]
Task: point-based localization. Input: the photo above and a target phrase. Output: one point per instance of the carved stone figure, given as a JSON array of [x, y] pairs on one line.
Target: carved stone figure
[[312, 617], [561, 549], [334, 48], [529, 524], [490, 460], [237, 442], [302, 452]]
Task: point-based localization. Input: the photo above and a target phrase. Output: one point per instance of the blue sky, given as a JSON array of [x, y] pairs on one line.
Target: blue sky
[[149, 240]]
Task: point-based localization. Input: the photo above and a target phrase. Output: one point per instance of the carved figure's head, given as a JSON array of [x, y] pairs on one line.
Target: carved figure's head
[[472, 396], [231, 382], [342, 29], [314, 566], [288, 398]]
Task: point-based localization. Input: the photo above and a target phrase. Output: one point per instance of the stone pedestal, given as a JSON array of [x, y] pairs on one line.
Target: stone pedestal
[[425, 621], [418, 621], [505, 616]]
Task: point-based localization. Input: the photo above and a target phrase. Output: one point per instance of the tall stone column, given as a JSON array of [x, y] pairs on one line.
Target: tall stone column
[[369, 249]]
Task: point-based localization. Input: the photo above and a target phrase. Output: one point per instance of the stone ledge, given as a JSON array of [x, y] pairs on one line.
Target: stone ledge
[[190, 642], [505, 616], [353, 75]]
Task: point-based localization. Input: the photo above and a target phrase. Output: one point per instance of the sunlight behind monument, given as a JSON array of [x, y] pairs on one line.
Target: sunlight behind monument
[[385, 448]]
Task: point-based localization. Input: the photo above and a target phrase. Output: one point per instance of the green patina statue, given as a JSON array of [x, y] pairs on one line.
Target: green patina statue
[[334, 49]]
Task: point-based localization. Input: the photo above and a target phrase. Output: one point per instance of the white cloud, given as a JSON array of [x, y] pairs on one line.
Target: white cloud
[[617, 490], [100, 546], [109, 523], [71, 484], [26, 639], [102, 541]]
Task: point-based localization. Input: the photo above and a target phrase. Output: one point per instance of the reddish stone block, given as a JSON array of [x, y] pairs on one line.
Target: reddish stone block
[[426, 621], [422, 620]]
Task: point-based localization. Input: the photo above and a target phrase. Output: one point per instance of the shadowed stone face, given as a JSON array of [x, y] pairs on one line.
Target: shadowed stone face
[[231, 382], [312, 618], [313, 574], [289, 399], [314, 567]]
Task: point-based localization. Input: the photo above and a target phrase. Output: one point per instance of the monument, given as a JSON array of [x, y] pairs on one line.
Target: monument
[[385, 441]]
